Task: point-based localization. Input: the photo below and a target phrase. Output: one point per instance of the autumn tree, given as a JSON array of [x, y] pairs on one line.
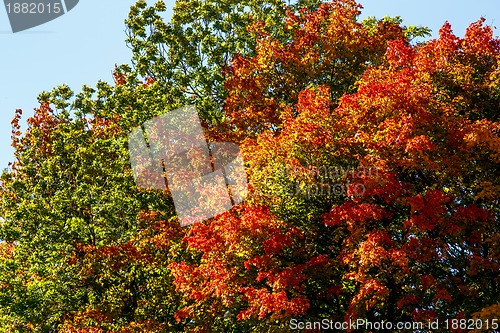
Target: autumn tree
[[372, 164], [409, 132], [82, 248]]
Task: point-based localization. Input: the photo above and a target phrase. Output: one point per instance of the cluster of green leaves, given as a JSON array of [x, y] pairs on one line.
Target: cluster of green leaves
[[188, 53]]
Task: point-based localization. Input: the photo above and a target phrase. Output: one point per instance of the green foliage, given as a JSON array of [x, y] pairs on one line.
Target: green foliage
[[189, 53], [411, 31]]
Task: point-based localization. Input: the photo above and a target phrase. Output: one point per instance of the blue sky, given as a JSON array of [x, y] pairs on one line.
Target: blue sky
[[83, 46]]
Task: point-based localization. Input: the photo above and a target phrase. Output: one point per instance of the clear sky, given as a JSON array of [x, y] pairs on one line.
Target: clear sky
[[83, 46]]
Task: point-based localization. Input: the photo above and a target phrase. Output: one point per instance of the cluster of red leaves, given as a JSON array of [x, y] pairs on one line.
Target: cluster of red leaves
[[328, 46], [418, 119], [239, 252], [41, 125]]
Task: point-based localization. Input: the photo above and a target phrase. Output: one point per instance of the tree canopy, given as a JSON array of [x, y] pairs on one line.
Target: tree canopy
[[372, 164]]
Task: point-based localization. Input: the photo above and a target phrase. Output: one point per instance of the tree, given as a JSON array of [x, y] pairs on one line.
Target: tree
[[70, 220], [372, 165], [82, 248], [389, 184], [190, 51]]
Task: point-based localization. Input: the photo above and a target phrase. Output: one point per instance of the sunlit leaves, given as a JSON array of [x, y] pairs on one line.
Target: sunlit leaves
[[372, 168]]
